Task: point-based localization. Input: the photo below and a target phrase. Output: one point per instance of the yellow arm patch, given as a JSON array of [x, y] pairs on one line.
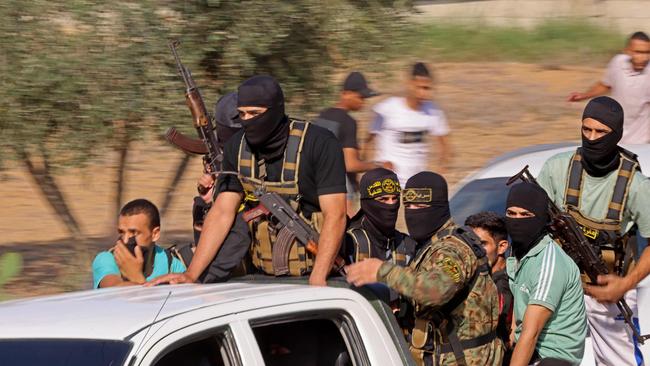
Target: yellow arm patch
[[450, 267]]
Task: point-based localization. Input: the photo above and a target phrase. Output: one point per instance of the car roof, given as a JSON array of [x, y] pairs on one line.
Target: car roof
[[118, 313], [534, 156]]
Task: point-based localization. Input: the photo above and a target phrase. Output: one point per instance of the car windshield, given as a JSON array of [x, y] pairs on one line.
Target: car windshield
[[63, 352], [479, 195]]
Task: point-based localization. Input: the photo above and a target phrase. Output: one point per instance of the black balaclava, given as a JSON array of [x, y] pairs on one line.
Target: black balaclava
[[267, 133], [431, 189], [376, 183], [226, 117], [601, 156], [199, 210], [525, 233]]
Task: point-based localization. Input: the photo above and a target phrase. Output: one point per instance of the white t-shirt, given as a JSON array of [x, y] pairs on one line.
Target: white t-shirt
[[632, 90], [402, 134]]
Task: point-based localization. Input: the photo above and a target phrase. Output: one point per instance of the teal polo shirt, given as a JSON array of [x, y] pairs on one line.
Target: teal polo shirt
[[548, 277], [104, 264]]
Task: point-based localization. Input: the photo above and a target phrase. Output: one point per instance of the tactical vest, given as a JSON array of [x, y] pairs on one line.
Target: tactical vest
[[435, 331], [263, 232], [402, 248], [605, 234]]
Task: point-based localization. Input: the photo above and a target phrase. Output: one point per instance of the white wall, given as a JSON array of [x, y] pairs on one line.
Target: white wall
[[626, 16]]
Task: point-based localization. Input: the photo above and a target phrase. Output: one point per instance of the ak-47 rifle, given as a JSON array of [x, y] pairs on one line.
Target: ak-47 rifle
[[290, 226], [209, 141], [566, 230]]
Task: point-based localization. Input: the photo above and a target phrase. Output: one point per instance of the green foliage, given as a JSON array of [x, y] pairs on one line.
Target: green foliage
[[570, 41], [72, 69], [10, 266]]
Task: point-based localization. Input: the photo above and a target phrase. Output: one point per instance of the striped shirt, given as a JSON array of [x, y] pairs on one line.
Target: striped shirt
[[546, 276]]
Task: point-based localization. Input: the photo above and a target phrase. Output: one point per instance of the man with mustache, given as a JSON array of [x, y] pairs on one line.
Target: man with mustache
[[627, 79], [601, 186], [455, 301]]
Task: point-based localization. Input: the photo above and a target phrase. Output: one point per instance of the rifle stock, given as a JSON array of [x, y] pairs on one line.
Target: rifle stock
[[568, 233]]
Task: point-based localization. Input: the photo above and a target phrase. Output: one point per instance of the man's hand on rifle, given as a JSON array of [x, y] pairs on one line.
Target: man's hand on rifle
[[610, 288], [172, 279], [205, 186]]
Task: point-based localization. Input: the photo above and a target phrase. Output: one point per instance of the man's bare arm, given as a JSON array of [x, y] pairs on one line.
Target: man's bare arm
[[352, 162], [535, 318], [116, 281], [612, 287], [597, 90], [334, 218], [216, 226]]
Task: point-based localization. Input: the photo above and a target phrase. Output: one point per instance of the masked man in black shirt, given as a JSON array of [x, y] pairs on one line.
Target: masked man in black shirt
[[301, 162]]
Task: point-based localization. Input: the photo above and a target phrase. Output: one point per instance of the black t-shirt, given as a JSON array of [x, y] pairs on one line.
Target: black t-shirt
[[347, 131], [321, 170]]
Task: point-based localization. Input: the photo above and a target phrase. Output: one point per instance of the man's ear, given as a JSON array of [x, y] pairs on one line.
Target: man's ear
[[155, 234], [502, 247]]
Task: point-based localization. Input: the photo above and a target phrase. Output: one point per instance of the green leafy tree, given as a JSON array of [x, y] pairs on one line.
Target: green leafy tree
[[81, 78]]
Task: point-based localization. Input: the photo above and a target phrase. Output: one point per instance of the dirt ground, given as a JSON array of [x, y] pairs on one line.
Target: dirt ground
[[492, 108]]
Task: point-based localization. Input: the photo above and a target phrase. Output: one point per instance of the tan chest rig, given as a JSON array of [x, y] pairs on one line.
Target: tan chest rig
[[264, 234], [435, 331], [605, 234], [401, 251]]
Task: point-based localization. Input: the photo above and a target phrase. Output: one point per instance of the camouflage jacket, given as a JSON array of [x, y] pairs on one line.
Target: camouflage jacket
[[442, 268]]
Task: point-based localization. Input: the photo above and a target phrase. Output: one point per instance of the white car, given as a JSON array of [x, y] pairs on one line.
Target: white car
[[236, 323], [486, 190]]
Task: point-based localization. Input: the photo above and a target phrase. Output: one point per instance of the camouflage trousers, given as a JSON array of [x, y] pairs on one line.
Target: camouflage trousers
[[488, 354]]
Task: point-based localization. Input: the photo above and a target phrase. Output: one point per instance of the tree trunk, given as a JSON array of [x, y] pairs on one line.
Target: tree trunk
[[44, 180], [123, 150], [171, 187], [123, 143]]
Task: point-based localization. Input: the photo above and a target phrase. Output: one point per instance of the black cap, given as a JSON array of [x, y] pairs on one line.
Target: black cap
[[378, 182], [357, 83], [225, 111]]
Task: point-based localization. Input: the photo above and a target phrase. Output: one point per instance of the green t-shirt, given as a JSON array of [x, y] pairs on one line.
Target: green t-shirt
[[546, 276], [596, 193]]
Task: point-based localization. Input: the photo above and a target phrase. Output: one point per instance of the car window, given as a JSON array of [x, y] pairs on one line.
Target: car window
[[326, 341], [217, 348], [68, 352], [479, 195]]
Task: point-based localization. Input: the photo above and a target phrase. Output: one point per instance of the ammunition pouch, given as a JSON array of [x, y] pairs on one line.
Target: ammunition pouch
[[277, 252]]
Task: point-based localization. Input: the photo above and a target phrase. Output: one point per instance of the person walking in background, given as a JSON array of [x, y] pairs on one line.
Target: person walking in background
[[338, 120], [402, 126], [627, 79]]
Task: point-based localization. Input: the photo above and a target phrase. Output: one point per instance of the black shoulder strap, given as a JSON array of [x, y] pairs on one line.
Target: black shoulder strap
[[170, 257], [362, 244], [574, 180], [628, 167], [404, 249]]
